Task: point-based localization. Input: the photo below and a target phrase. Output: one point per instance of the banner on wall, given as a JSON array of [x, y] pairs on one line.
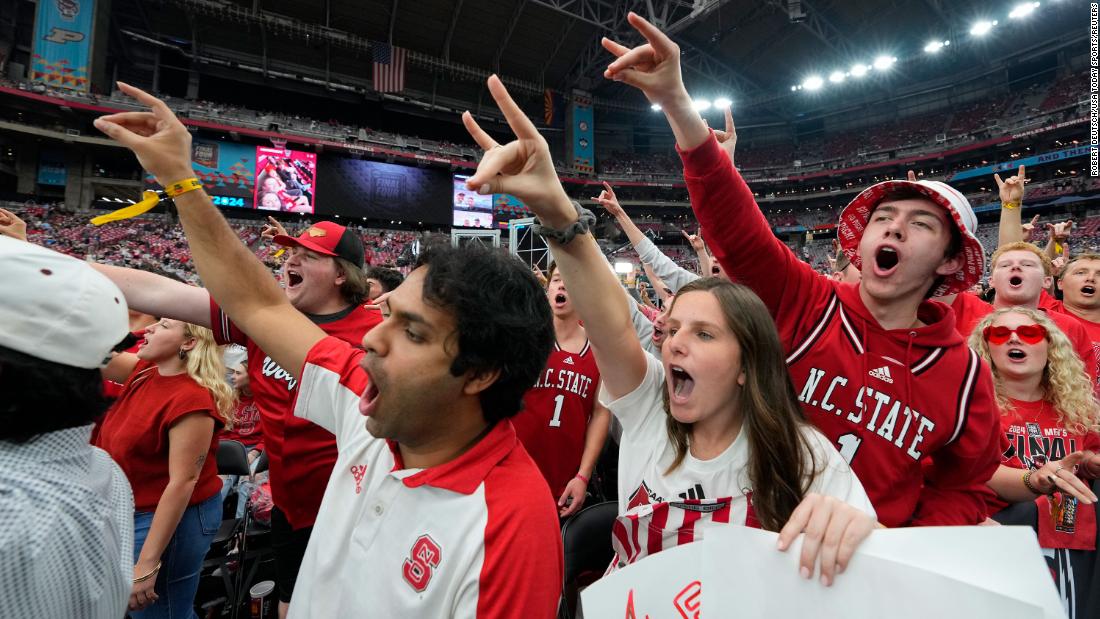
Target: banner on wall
[[581, 136], [1037, 160], [63, 43]]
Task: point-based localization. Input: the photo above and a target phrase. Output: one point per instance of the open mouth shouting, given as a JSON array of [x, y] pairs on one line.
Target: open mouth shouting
[[680, 385], [293, 278], [560, 299], [368, 402], [1088, 290], [1015, 281], [886, 261], [1017, 355]]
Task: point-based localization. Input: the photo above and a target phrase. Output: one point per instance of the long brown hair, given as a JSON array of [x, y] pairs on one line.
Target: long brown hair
[[781, 464]]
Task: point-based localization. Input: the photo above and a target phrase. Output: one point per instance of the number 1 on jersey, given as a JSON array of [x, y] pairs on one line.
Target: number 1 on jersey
[[558, 401], [849, 444]]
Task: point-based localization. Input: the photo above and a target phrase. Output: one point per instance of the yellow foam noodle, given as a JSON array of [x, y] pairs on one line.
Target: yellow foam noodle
[[149, 199], [280, 252]]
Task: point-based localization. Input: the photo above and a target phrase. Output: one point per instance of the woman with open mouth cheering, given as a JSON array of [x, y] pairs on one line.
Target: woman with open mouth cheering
[[1049, 414]]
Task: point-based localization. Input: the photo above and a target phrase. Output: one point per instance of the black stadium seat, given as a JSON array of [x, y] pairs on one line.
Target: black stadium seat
[[586, 540]]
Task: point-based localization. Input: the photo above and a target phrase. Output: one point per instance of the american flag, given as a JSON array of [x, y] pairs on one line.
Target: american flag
[[389, 67]]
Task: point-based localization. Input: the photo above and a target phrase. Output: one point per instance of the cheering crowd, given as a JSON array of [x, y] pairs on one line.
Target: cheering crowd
[[427, 435]]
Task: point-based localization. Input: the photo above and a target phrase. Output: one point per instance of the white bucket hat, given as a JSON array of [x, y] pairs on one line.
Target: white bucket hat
[[854, 218]]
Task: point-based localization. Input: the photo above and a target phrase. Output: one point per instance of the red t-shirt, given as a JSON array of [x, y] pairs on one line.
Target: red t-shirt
[[300, 454], [555, 415], [1036, 436], [135, 432], [970, 310], [246, 425]]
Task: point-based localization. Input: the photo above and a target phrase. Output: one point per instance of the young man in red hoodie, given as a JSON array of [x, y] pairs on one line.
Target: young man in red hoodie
[[881, 371]]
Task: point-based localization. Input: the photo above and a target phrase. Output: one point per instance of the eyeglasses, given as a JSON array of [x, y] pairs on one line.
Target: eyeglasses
[[1028, 334]]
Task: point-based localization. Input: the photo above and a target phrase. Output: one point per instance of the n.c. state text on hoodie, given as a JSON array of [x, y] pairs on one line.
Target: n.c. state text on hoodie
[[890, 400]]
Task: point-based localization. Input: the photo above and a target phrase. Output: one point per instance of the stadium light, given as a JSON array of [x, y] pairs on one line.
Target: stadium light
[[794, 88], [655, 107], [836, 77], [883, 63], [722, 103], [814, 82], [935, 46], [701, 105], [1023, 10], [982, 28], [624, 268], [858, 70]]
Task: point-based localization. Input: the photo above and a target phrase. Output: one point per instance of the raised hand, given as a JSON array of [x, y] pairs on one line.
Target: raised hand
[[911, 176], [160, 141], [653, 68], [1060, 231], [1011, 190], [272, 228], [696, 240], [522, 167], [539, 275], [1058, 264], [728, 139], [833, 531], [1029, 227], [11, 225], [609, 201]]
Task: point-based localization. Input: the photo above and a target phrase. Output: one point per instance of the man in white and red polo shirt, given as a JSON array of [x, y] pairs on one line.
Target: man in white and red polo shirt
[[323, 279]]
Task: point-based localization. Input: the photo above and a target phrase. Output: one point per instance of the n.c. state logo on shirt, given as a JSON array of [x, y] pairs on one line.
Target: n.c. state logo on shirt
[[423, 559]]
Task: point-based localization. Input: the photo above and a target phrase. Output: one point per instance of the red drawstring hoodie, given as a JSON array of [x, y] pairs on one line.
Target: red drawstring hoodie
[[912, 410]]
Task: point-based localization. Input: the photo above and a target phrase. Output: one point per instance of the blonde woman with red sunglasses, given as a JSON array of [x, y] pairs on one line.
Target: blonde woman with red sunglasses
[[1048, 411], [1049, 416]]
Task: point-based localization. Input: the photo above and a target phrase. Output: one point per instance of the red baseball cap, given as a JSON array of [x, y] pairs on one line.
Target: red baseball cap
[[329, 239]]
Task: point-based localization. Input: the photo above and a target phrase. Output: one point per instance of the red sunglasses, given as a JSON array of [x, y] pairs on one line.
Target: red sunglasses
[[1028, 334]]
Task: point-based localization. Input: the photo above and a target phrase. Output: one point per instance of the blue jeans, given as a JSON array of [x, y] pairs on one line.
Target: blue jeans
[[178, 579]]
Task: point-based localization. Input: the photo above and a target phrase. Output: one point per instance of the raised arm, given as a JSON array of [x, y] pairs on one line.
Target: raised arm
[[675, 275], [736, 230], [700, 249], [236, 279], [1058, 243], [161, 296], [525, 169], [1011, 192], [658, 284], [727, 138], [654, 68]]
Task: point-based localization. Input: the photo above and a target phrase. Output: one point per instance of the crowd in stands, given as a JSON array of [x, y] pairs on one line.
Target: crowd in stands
[[155, 241]]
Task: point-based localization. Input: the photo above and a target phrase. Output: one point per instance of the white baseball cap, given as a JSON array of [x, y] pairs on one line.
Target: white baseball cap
[[57, 308]]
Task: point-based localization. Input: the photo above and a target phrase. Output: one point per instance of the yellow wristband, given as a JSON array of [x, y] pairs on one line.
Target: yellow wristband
[[1010, 205], [189, 184]]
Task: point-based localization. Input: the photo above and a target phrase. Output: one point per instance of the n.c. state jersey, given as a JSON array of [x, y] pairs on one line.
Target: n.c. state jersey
[[555, 414]]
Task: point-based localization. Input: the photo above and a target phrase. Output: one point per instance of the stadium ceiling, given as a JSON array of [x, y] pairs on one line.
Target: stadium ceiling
[[749, 51]]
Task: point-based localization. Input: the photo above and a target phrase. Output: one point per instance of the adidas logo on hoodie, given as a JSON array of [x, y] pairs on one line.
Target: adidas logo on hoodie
[[883, 374]]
